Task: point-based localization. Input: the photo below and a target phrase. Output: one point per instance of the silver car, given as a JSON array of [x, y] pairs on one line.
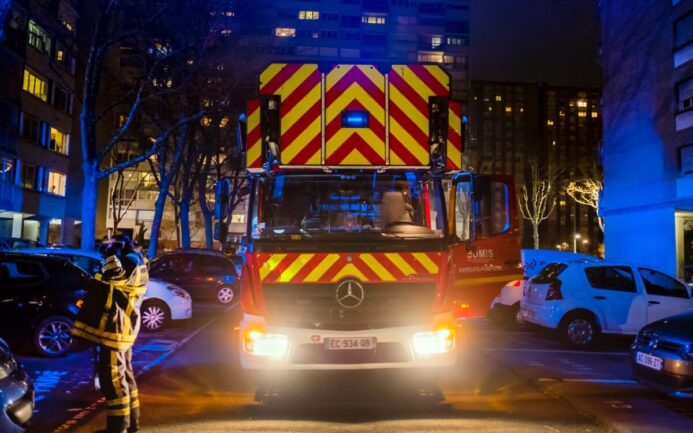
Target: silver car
[[16, 393]]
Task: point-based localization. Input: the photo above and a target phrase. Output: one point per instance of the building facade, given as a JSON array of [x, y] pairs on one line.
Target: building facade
[[38, 126], [509, 123], [647, 57]]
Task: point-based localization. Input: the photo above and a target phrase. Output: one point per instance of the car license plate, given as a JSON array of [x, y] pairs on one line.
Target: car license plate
[[649, 361], [350, 343]]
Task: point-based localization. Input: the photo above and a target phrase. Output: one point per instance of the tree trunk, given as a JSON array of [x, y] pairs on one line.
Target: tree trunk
[[89, 192], [206, 213], [185, 223], [159, 206], [535, 235]]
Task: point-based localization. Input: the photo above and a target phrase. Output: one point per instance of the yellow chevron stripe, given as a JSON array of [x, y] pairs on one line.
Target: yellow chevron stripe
[[404, 104], [269, 73], [427, 263], [354, 91], [376, 143], [350, 270], [320, 270], [300, 142], [439, 74], [454, 155], [376, 267], [418, 85], [293, 269], [296, 80], [270, 264], [290, 118], [411, 144], [400, 263], [335, 75], [455, 120], [374, 75]]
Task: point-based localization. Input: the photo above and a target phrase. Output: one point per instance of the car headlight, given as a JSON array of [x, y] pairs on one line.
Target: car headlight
[[262, 344], [177, 291], [434, 342], [8, 364]]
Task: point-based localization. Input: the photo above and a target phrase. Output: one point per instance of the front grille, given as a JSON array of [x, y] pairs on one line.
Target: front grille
[[315, 306], [317, 354], [669, 346]]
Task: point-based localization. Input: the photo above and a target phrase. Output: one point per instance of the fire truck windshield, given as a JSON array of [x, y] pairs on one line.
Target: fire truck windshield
[[384, 205]]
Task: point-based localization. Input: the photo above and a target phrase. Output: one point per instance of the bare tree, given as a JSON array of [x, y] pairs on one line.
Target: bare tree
[[587, 190], [537, 198]]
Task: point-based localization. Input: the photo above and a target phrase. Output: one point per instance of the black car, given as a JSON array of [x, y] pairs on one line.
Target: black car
[[17, 243], [39, 299], [662, 355], [205, 274], [16, 393]]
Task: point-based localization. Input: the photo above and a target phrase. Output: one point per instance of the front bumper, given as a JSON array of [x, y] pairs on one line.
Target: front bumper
[[181, 308], [674, 379], [16, 402], [306, 350]]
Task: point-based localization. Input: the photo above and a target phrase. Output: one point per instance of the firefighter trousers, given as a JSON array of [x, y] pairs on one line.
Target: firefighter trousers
[[117, 381]]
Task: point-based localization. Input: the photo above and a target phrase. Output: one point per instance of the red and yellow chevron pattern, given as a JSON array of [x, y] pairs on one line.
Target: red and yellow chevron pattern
[[253, 152], [299, 87], [454, 146], [409, 88], [355, 87], [332, 267]]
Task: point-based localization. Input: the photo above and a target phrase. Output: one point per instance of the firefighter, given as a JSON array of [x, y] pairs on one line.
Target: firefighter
[[110, 318]]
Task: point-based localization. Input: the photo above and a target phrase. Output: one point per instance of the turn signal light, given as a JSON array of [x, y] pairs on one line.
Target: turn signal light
[[434, 342], [261, 344], [79, 303]]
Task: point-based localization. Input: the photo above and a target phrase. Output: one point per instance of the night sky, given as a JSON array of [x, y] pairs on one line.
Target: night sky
[[551, 41]]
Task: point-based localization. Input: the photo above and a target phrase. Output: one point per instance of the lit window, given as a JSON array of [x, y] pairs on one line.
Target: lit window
[[595, 114], [508, 109], [454, 41], [35, 86], [436, 41], [582, 104], [499, 98], [582, 114], [429, 57], [148, 179], [206, 121], [549, 122], [223, 122], [59, 141], [308, 15], [38, 37], [369, 19], [285, 32], [55, 183]]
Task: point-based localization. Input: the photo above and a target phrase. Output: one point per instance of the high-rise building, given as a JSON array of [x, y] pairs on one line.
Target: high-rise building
[[510, 123], [38, 125], [647, 57]]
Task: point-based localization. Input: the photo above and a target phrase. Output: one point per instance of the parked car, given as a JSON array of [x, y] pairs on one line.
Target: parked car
[[161, 303], [16, 243], [583, 299], [662, 355], [505, 308], [206, 274], [39, 299], [16, 392]]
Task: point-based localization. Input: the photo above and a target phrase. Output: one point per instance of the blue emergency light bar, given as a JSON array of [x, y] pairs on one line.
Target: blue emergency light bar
[[355, 119]]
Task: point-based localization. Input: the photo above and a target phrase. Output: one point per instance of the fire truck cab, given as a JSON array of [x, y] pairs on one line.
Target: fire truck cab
[[365, 243]]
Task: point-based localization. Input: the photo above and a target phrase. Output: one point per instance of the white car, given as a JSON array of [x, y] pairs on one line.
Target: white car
[[505, 308], [161, 302], [583, 299]]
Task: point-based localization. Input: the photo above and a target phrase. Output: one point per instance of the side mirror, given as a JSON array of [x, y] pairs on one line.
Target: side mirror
[[222, 193]]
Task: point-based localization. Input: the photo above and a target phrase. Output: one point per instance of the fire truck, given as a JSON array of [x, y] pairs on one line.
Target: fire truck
[[365, 242]]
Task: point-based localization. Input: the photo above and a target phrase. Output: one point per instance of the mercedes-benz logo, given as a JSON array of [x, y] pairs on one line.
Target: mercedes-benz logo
[[350, 294]]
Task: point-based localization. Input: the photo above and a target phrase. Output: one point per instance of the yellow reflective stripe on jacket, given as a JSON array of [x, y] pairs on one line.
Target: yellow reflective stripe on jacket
[[100, 340], [115, 336], [118, 412], [117, 401]]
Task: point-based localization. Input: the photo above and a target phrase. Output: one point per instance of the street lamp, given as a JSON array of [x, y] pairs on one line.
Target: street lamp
[[575, 239]]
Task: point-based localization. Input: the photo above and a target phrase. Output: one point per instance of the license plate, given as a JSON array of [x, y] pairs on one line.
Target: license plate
[[649, 361], [350, 343]]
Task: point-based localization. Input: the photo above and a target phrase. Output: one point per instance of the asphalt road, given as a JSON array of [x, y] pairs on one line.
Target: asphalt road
[[519, 381]]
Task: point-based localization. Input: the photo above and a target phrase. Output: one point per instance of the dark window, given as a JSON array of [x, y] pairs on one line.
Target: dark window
[[31, 129], [491, 207], [618, 278], [457, 27], [61, 100], [14, 272], [549, 273], [69, 277], [684, 92], [210, 265], [351, 21], [374, 39], [657, 283], [683, 31], [28, 176]]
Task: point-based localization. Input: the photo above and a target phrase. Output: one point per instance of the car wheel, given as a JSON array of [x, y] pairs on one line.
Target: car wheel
[[52, 337], [579, 330], [154, 315], [515, 317], [226, 295]]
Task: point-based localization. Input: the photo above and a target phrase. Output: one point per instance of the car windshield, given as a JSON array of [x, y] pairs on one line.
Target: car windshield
[[387, 205]]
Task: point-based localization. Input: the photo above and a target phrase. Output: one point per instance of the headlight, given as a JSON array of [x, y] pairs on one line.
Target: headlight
[[262, 344], [177, 291], [434, 342], [7, 364]]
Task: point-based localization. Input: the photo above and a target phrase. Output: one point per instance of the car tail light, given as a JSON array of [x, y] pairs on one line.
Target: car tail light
[[517, 283], [554, 292]]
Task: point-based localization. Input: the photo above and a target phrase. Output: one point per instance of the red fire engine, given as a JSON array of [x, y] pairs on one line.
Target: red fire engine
[[365, 242]]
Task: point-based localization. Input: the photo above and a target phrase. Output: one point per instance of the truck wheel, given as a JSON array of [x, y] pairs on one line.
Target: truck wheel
[[52, 337], [579, 330], [154, 315]]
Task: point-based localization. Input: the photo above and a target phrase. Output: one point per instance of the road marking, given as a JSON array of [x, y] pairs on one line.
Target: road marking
[[578, 352], [86, 411]]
